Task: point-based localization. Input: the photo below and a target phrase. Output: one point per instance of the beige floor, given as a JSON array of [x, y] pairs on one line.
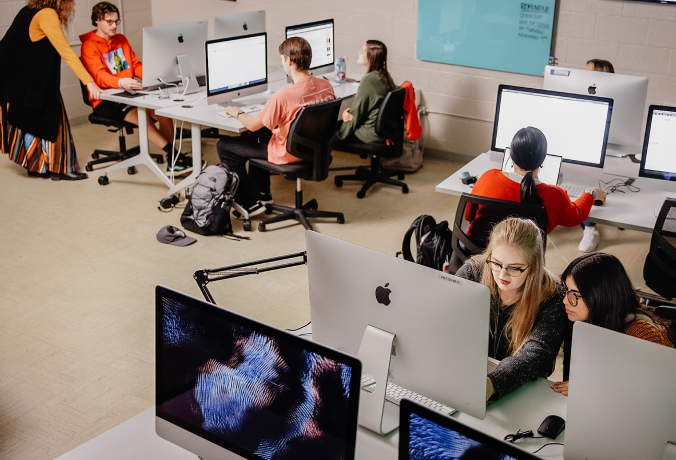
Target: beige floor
[[78, 264]]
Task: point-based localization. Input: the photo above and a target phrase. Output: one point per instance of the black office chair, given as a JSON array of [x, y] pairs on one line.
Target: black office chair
[[105, 156], [389, 125], [310, 139], [493, 211], [659, 270]]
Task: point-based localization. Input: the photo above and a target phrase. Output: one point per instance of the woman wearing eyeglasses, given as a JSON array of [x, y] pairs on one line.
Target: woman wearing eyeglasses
[[527, 321], [34, 128], [596, 289]]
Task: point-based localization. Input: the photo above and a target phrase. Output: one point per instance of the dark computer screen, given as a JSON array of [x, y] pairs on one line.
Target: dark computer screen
[[250, 388]]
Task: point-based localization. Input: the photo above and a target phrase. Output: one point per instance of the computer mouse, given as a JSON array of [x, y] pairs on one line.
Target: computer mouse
[[552, 426], [598, 203]]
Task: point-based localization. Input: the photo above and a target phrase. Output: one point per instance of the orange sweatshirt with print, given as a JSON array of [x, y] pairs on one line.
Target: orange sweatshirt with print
[[108, 61]]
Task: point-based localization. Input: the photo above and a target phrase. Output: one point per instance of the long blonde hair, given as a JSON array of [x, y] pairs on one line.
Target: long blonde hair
[[62, 7], [524, 236]]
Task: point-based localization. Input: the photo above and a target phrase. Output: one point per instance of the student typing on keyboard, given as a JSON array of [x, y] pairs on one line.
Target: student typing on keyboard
[[527, 319]]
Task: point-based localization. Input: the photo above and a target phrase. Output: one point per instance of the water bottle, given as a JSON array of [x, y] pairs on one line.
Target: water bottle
[[340, 70]]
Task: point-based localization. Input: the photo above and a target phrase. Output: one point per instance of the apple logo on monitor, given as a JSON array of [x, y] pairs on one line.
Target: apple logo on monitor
[[383, 294], [592, 90], [245, 27], [180, 38]]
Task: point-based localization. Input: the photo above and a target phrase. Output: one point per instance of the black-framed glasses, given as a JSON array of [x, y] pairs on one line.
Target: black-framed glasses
[[572, 296], [112, 21], [514, 272]]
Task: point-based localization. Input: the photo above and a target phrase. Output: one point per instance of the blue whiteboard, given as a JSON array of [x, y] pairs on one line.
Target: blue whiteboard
[[508, 35]]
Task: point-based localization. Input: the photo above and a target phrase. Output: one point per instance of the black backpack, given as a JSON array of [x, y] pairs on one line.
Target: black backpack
[[433, 242], [207, 211]]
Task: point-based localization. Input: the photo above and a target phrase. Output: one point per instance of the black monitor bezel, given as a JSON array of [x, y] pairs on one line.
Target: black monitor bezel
[[162, 292], [240, 88], [650, 173], [408, 407], [313, 24], [559, 94]]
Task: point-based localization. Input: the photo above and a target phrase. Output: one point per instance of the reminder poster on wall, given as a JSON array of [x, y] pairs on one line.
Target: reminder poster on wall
[[508, 35]]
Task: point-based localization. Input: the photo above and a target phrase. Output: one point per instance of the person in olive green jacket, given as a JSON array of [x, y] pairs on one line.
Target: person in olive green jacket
[[359, 121]]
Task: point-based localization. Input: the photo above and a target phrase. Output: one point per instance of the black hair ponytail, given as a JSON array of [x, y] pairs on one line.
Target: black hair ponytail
[[529, 149]]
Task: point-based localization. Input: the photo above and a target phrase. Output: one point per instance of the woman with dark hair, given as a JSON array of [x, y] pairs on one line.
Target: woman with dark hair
[[596, 289], [528, 150], [599, 65], [359, 121], [34, 127]]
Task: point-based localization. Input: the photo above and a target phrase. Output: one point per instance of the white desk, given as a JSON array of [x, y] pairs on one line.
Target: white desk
[[635, 211], [143, 158]]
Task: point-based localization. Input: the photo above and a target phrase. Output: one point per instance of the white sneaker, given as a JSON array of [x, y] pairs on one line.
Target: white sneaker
[[590, 239]]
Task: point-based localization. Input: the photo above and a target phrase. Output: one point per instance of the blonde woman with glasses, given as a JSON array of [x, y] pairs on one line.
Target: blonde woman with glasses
[[527, 320]]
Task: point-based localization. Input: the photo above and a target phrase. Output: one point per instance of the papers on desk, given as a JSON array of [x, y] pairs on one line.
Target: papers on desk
[[244, 108]]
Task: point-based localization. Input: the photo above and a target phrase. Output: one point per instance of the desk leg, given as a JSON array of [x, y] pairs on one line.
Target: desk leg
[[196, 132], [144, 157]]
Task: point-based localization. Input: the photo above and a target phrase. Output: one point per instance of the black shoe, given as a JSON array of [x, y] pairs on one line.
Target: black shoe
[[181, 160], [44, 175], [69, 176], [265, 198]]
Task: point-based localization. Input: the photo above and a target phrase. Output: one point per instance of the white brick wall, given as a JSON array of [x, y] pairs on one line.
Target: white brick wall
[[136, 16]]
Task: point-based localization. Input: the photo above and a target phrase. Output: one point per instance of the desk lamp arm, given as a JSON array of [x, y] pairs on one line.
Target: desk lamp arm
[[205, 276]]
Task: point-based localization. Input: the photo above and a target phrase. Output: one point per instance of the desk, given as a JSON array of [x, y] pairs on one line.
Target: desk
[[635, 211], [154, 102]]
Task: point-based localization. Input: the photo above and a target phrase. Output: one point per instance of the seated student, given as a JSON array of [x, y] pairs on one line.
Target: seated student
[[591, 236], [359, 121], [595, 288], [272, 126], [527, 321], [529, 149], [112, 63]]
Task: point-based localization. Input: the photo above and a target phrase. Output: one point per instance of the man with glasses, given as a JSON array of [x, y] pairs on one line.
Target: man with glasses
[[112, 63]]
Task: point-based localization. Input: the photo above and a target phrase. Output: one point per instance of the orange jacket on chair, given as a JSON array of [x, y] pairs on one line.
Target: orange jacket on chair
[[413, 128]]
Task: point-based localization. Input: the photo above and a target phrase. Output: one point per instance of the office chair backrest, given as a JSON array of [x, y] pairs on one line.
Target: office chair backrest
[[311, 135], [659, 271], [85, 94], [390, 121], [477, 215]]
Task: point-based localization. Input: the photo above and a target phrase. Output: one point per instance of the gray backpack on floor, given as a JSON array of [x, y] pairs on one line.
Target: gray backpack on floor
[[207, 211]]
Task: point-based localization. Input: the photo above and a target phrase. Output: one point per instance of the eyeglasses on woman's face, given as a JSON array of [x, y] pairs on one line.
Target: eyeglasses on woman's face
[[571, 296], [514, 272]]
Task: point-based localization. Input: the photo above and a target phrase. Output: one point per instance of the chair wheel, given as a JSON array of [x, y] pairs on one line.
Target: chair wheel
[[361, 194], [131, 170], [95, 156], [341, 220], [160, 160], [404, 189], [312, 205], [338, 182], [89, 168], [246, 225], [261, 226], [103, 180], [400, 177]]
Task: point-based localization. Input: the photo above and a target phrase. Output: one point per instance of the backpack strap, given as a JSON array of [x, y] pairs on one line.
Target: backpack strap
[[421, 226]]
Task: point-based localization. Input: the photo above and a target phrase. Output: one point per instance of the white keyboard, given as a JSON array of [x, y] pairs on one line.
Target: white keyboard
[[395, 394], [243, 108], [574, 191]]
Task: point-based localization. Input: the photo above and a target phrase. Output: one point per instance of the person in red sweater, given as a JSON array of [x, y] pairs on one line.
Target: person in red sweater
[[596, 289], [112, 63], [529, 149]]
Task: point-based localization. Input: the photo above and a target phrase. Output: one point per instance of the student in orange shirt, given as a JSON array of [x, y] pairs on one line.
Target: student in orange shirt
[[109, 58], [272, 126]]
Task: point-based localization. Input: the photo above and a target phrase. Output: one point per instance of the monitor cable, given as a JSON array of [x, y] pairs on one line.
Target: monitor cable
[[616, 185], [557, 249], [511, 438]]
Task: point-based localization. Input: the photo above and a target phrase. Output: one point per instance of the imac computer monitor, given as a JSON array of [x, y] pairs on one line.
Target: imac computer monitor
[[320, 37], [622, 397], [236, 67], [440, 322], [627, 91], [235, 25], [659, 146], [228, 387], [576, 126], [164, 45], [548, 173], [428, 435]]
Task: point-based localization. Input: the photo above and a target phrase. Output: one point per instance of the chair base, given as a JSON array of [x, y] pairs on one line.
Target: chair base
[[301, 213], [107, 156], [371, 176]]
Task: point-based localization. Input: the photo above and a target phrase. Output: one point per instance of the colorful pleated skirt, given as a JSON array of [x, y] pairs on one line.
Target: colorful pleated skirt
[[35, 154]]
